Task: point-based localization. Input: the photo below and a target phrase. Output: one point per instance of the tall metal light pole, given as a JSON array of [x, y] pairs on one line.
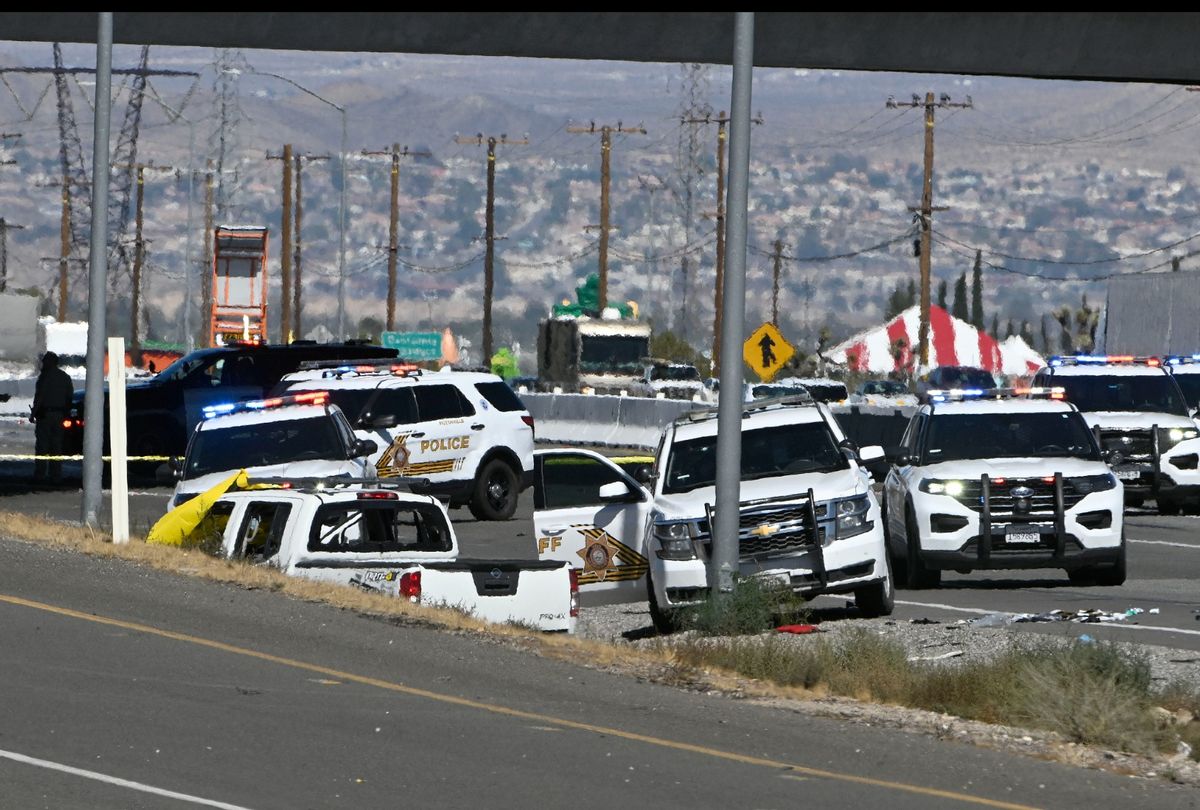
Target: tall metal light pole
[[93, 420], [341, 314]]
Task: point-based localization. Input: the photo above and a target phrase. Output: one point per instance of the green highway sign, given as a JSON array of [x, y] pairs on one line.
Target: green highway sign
[[414, 345]]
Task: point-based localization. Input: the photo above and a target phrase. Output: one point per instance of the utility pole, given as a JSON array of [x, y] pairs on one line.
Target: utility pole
[[394, 223], [926, 209], [721, 121], [297, 329], [490, 232], [777, 259], [139, 253], [206, 284], [285, 251], [605, 153]]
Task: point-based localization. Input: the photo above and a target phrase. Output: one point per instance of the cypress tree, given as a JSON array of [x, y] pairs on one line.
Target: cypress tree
[[959, 308]]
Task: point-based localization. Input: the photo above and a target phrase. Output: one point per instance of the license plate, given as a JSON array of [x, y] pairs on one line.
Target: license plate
[[1129, 475], [1023, 536]]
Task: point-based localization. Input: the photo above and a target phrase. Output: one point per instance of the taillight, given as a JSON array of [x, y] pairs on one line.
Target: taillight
[[410, 586], [67, 423], [575, 592], [375, 495], [527, 419]]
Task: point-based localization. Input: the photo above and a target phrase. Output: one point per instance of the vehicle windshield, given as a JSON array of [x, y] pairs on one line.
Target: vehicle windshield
[[599, 354], [885, 388], [186, 365], [1189, 384], [954, 437], [766, 453], [960, 377], [261, 444], [674, 373], [1141, 393]]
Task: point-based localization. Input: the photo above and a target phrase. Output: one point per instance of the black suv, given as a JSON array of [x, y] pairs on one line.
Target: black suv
[[163, 410], [954, 377]]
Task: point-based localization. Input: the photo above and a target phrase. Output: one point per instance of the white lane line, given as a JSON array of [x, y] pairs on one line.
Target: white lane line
[[112, 780], [1166, 543], [981, 612]]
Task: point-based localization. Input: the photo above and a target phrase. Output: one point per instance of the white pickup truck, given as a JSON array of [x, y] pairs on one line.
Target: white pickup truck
[[392, 542]]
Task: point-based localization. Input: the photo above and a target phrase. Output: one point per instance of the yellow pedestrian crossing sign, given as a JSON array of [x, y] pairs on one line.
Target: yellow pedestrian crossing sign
[[766, 351]]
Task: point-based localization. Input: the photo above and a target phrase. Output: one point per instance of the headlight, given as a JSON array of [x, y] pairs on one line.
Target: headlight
[[935, 486], [1176, 435], [1094, 483], [852, 516], [675, 540]]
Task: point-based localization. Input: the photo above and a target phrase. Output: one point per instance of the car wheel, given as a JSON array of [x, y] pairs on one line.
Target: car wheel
[[1134, 501], [1109, 575], [151, 441], [1168, 506], [666, 620], [917, 576], [495, 492], [878, 598]]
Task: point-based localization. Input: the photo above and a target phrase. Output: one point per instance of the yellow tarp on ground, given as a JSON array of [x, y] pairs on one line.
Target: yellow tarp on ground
[[173, 528]]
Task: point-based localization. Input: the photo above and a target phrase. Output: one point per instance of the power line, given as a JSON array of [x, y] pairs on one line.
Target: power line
[[1076, 263]]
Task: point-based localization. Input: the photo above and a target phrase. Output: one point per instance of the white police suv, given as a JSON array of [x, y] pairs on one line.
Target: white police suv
[[1186, 371], [301, 436], [1002, 479], [466, 433], [808, 516], [1141, 419]]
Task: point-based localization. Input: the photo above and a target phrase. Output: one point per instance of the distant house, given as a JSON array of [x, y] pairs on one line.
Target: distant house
[[1151, 313]]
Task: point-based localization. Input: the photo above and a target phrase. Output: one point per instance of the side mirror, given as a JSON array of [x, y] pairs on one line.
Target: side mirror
[[871, 452], [364, 447], [616, 492], [387, 420], [898, 455]]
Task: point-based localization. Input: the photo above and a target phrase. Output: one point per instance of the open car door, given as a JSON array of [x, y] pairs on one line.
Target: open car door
[[591, 513]]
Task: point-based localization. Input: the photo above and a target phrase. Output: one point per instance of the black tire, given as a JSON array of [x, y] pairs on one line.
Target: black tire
[[1134, 501], [495, 491], [1114, 574], [1109, 576], [152, 441], [916, 576], [878, 598], [666, 621], [1168, 506]]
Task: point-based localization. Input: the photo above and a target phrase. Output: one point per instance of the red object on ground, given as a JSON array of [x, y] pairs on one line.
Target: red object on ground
[[799, 629]]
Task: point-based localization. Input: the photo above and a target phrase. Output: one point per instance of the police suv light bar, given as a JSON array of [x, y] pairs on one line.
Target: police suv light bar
[[1182, 359], [961, 394], [1101, 359], [226, 408]]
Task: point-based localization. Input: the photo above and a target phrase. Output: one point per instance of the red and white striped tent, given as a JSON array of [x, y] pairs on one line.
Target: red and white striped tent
[[952, 342]]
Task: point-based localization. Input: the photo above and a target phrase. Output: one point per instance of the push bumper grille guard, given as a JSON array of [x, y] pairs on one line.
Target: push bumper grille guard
[[812, 528], [985, 518], [1155, 453]]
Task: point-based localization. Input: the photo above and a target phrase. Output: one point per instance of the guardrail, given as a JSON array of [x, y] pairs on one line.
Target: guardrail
[[638, 421]]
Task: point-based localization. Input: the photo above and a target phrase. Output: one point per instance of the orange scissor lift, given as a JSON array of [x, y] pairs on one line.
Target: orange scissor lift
[[239, 285]]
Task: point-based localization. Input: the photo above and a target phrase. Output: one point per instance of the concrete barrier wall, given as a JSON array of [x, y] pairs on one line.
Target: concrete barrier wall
[[639, 421]]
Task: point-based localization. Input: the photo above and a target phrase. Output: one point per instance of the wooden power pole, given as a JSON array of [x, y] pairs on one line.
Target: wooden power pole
[[395, 153], [926, 209], [297, 260], [777, 260], [489, 233], [285, 250], [606, 133], [206, 283]]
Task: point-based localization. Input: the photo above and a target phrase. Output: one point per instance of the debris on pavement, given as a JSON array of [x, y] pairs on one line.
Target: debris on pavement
[[798, 629], [942, 657]]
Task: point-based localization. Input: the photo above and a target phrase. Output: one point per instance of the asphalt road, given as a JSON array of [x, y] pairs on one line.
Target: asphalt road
[[129, 688]]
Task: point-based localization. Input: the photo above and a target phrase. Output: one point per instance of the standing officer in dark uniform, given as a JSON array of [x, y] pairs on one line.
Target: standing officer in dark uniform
[[51, 405]]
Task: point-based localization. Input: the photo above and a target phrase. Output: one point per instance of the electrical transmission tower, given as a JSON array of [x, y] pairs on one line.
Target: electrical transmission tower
[[75, 179], [688, 170]]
